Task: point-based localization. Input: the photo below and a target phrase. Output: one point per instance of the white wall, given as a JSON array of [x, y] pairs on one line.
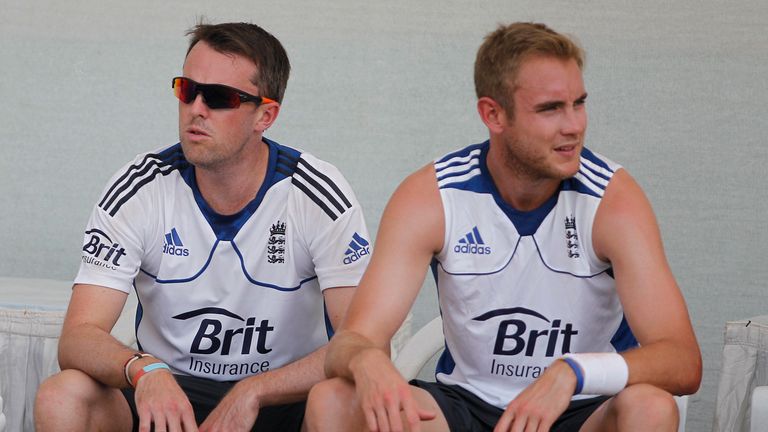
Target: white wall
[[677, 94]]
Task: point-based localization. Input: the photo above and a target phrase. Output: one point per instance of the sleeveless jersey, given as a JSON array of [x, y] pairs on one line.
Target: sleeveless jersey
[[517, 290], [226, 297]]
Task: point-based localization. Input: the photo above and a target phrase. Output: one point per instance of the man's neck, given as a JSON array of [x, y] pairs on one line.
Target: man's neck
[[517, 188], [228, 189]]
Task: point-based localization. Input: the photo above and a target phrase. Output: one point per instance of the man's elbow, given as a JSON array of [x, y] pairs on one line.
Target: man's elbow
[[63, 353], [689, 378], [69, 346]]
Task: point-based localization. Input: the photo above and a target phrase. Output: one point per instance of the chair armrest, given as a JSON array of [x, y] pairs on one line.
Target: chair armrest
[[759, 404], [421, 347], [682, 408], [2, 416]]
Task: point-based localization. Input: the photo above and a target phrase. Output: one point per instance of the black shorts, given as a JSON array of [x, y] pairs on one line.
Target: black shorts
[[466, 412], [205, 394]]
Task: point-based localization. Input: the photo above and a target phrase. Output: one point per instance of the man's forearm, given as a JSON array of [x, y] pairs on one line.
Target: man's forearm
[[97, 353], [670, 365], [289, 383]]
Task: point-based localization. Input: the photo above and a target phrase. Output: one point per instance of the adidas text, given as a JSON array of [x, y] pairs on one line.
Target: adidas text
[[173, 250], [349, 259], [472, 249]]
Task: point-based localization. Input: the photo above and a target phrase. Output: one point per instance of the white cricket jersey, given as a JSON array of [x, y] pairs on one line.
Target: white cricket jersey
[[519, 289], [226, 297]]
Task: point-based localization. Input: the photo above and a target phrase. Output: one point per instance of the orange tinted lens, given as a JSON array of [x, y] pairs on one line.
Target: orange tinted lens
[[184, 89]]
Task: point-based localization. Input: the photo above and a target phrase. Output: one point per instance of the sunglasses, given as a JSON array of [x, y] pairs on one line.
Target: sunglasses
[[216, 96]]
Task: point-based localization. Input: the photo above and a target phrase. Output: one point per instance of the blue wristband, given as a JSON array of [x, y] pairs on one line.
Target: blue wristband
[[153, 366], [579, 374], [148, 368]]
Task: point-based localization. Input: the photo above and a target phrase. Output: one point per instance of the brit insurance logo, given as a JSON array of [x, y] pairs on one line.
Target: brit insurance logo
[[173, 244], [525, 332], [515, 336], [276, 243], [472, 243], [358, 248], [223, 335], [571, 237], [101, 250]]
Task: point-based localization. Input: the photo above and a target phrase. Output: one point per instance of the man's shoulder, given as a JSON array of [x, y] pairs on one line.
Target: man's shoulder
[[168, 154], [314, 179], [597, 161], [134, 176], [463, 169], [153, 162], [290, 160], [595, 173], [463, 155]]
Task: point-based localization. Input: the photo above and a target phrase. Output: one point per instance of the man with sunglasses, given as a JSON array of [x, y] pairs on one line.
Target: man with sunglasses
[[559, 309], [243, 254]]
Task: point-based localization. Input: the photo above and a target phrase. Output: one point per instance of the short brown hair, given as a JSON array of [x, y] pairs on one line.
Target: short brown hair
[[504, 50], [253, 43]]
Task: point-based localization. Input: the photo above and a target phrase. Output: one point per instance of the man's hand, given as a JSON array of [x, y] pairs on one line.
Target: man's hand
[[236, 412], [160, 401], [539, 405], [383, 394]]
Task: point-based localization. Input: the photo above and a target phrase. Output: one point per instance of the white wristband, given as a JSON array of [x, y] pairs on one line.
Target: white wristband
[[130, 361], [598, 373]]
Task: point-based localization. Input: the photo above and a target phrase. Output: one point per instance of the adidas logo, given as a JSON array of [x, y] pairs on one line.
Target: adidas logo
[[173, 244], [358, 248], [472, 243]]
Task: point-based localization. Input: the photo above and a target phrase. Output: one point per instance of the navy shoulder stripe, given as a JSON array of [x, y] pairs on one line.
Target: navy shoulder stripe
[[462, 169], [320, 188], [448, 159], [140, 174], [287, 158], [593, 176]]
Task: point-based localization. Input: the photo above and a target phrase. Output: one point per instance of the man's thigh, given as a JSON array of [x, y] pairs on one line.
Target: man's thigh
[[643, 406], [463, 411], [205, 395], [427, 401], [578, 413]]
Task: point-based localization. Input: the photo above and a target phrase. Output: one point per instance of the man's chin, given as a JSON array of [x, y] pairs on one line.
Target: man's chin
[[569, 173], [192, 156]]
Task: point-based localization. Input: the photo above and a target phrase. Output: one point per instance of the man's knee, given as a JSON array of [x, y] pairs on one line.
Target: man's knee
[[329, 401], [67, 387], [330, 395], [647, 406], [72, 397]]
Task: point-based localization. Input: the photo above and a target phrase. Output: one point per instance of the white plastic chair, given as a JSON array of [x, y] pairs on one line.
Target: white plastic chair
[[2, 416], [759, 406], [428, 341]]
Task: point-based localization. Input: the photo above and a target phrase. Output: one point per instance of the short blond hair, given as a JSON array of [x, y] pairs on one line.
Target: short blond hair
[[504, 50]]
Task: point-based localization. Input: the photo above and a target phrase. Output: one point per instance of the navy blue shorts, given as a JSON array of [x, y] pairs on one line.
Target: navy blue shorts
[[466, 412], [205, 394]]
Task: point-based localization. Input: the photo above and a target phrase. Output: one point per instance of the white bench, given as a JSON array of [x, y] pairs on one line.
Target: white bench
[[31, 314]]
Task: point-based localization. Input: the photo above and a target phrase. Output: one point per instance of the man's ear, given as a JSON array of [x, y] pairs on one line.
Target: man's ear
[[492, 114], [268, 115]]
